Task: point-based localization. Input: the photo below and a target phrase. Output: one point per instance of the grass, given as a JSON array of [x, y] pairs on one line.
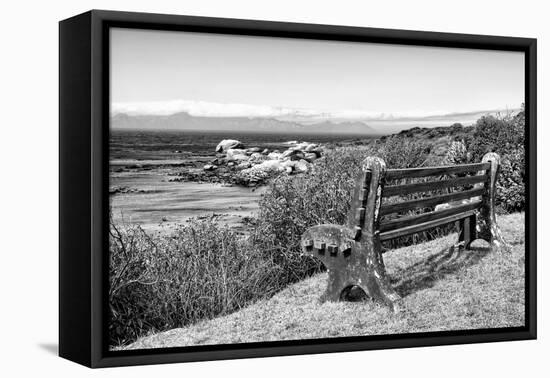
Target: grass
[[441, 290]]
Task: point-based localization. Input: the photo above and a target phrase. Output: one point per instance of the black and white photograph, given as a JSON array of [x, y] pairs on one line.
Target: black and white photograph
[[269, 189]]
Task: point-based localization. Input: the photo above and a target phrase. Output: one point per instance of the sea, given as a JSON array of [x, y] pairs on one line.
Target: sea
[[142, 164]]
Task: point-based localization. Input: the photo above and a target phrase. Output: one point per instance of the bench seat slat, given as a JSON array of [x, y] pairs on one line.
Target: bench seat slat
[[430, 201], [424, 226], [432, 185], [392, 174], [432, 215]]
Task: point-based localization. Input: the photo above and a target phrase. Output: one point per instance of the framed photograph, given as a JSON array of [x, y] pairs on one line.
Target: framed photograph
[[235, 188]]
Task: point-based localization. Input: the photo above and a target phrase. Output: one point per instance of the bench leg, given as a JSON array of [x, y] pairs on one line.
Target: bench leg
[[364, 269], [467, 231], [335, 286], [372, 277], [487, 227], [377, 286]]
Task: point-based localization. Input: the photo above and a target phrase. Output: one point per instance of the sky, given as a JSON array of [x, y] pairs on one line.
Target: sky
[[164, 72]]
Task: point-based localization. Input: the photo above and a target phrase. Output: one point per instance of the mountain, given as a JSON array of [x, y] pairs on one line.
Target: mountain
[[185, 121]]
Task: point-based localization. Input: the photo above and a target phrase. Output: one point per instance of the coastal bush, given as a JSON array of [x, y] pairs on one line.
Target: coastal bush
[[200, 271], [504, 135]]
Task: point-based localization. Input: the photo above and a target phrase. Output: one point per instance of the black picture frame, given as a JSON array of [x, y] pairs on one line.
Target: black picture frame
[[83, 180]]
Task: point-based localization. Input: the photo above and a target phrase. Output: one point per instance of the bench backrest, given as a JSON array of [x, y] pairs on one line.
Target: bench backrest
[[379, 195]]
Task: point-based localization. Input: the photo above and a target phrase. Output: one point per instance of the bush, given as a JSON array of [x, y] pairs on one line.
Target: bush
[[292, 204], [163, 282], [504, 135]]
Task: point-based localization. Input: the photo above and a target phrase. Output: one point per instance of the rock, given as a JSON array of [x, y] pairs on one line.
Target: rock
[[227, 144], [301, 166], [270, 164], [265, 152], [310, 147], [288, 153], [244, 165], [259, 173], [254, 149], [302, 146], [288, 163], [236, 155], [317, 152], [274, 155], [209, 167], [297, 156], [289, 169], [310, 156]]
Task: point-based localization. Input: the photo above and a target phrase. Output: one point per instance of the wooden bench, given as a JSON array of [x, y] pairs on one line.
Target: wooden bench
[[352, 253]]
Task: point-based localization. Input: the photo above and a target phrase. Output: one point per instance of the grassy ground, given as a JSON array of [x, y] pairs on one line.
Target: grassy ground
[[441, 290]]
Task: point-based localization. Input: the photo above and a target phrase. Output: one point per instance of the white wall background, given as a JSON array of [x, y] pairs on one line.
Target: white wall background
[[29, 189]]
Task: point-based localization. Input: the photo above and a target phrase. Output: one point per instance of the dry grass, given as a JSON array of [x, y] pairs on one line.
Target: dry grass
[[471, 289]]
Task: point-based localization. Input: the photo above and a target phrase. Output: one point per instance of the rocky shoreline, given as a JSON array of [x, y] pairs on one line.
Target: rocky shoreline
[[235, 164]]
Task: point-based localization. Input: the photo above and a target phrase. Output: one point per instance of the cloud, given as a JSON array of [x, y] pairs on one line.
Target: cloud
[[214, 109]]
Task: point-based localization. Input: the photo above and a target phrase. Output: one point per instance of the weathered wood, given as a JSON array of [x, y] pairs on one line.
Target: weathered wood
[[413, 229], [318, 244], [360, 262], [487, 227], [393, 174], [466, 231], [359, 199], [425, 217], [430, 201], [431, 185]]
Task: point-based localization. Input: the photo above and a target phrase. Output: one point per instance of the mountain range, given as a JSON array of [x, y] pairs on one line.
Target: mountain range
[[185, 121], [291, 125]]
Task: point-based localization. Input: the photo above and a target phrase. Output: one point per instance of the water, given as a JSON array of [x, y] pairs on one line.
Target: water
[[143, 162], [175, 145]]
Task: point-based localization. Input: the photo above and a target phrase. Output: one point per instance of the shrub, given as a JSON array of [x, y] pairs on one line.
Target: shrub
[[504, 135], [292, 204], [163, 282]]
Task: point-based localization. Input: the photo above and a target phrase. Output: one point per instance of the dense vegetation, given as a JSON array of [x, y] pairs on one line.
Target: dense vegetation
[[205, 270]]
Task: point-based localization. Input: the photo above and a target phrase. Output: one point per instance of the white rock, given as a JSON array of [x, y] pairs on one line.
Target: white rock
[[288, 153], [227, 144], [310, 147], [209, 167], [301, 166], [271, 164], [302, 146], [274, 156], [236, 155]]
